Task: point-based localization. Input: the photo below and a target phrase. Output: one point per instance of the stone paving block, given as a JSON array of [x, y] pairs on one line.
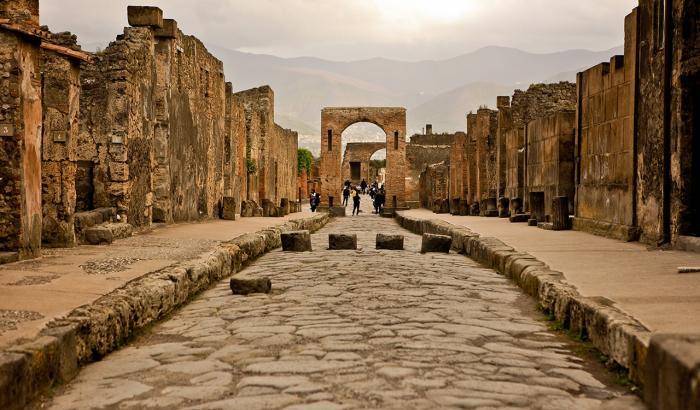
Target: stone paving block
[[247, 285], [296, 241], [390, 242], [436, 243], [338, 241]]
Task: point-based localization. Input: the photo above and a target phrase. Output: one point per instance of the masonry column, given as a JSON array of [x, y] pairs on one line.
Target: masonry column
[[396, 162], [20, 129]]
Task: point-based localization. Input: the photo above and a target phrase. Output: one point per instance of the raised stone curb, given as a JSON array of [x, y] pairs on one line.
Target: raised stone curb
[[90, 332], [614, 333]]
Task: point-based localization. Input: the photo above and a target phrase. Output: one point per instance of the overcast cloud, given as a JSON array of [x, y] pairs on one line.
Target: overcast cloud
[[358, 29]]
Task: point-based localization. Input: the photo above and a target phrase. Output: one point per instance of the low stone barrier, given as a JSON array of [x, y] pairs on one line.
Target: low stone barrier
[[619, 336], [90, 332]]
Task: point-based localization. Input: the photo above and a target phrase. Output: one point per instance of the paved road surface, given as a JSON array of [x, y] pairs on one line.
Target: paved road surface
[[353, 329]]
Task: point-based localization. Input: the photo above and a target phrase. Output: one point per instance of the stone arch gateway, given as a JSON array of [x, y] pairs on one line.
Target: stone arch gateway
[[392, 120]]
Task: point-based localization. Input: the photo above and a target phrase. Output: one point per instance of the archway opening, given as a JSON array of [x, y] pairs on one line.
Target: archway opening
[[377, 167], [360, 142]]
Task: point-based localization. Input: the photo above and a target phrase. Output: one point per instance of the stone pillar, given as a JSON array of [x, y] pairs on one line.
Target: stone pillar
[[560, 213], [537, 208], [503, 207]]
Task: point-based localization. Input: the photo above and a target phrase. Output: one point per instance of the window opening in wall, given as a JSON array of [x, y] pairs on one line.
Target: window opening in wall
[[396, 140], [330, 140]]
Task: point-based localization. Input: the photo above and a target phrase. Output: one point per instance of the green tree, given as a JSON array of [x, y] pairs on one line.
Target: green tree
[[305, 160]]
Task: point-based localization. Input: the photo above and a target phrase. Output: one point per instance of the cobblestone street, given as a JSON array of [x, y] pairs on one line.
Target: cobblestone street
[[353, 329]]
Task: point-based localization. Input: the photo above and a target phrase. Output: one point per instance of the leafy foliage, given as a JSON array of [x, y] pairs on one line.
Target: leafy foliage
[[305, 160]]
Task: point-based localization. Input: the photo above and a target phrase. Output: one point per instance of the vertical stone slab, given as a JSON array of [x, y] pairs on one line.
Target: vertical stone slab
[[537, 208], [560, 213]]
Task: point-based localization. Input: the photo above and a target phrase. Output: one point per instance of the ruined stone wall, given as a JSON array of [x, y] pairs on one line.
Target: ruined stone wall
[[668, 117], [550, 157], [433, 184], [191, 133], [20, 133], [505, 124], [605, 144], [457, 162], [234, 148], [471, 160], [541, 100], [61, 94], [271, 151], [486, 166], [423, 150], [515, 163]]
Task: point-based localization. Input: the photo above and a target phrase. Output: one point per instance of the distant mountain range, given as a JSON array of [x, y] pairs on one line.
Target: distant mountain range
[[437, 92]]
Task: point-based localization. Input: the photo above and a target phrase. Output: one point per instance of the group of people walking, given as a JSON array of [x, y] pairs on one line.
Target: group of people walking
[[376, 193]]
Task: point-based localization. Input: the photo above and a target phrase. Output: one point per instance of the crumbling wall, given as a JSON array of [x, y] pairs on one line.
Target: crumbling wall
[[470, 183], [433, 185], [485, 138], [550, 157], [20, 133], [457, 163], [421, 151], [234, 148], [605, 145], [271, 151], [61, 93]]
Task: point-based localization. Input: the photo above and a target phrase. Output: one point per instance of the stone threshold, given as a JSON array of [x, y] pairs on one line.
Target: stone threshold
[[666, 366], [92, 331]]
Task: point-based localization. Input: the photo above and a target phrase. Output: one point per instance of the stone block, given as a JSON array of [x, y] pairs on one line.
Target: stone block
[[516, 206], [672, 372], [98, 235], [229, 208], [532, 222], [145, 16], [296, 241], [339, 241], [169, 29], [390, 242], [436, 243], [474, 209], [519, 218], [537, 208], [246, 285], [336, 211]]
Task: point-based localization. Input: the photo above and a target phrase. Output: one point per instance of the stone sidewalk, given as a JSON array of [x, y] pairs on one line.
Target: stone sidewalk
[[34, 292], [641, 282]]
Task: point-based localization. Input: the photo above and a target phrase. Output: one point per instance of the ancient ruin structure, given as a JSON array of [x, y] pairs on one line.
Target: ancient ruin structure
[[423, 150], [145, 131], [618, 145], [334, 121]]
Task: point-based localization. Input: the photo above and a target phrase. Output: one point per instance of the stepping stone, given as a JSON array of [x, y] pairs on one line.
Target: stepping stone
[[390, 242], [338, 241], [517, 218], [296, 241], [246, 285], [436, 243]]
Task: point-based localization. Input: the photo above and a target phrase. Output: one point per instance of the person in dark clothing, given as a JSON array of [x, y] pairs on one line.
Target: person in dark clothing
[[346, 195], [363, 186], [356, 202], [379, 200], [314, 201]]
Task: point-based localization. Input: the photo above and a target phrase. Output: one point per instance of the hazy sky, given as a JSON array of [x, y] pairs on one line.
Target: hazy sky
[[358, 29]]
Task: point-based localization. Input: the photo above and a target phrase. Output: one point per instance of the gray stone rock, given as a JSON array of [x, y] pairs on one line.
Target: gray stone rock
[[337, 211], [435, 243], [229, 208], [246, 286], [337, 241], [296, 241], [390, 242]]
